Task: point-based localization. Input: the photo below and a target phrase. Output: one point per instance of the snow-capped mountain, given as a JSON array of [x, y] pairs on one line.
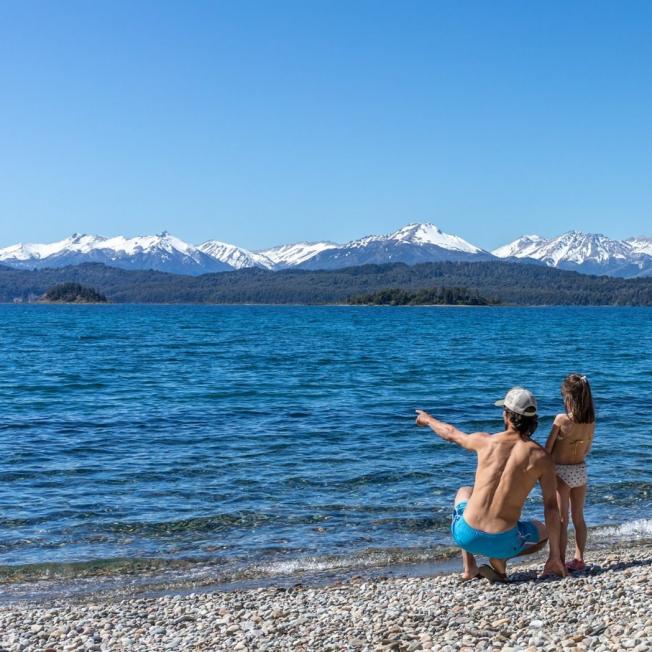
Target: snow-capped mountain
[[414, 243], [590, 253], [641, 245], [161, 252], [235, 257], [291, 255], [423, 234], [520, 248], [19, 253]]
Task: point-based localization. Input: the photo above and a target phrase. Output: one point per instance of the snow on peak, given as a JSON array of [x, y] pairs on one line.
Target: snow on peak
[[522, 247], [430, 234], [577, 247], [167, 252], [571, 247], [236, 257], [641, 245], [34, 251], [420, 234], [296, 253], [163, 244], [147, 244]]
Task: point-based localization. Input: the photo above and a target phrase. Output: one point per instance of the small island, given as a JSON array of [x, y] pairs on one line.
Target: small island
[[73, 293], [454, 296]]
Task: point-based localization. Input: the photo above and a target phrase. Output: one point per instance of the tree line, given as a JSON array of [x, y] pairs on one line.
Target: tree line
[[494, 281], [438, 296]]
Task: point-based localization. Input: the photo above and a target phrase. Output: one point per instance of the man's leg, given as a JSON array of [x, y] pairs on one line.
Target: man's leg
[[470, 565], [500, 565], [543, 540]]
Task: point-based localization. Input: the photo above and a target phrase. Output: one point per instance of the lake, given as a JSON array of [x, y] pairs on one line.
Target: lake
[[264, 440]]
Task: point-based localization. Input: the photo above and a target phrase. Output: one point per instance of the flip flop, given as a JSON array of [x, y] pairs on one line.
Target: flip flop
[[491, 574], [464, 580], [576, 565]]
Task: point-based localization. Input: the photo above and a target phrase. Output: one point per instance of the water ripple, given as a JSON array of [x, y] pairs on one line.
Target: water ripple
[[262, 433]]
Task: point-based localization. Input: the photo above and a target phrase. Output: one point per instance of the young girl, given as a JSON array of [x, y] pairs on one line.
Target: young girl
[[569, 443]]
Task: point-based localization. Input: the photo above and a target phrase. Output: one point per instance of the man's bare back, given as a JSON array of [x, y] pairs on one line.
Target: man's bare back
[[508, 469]]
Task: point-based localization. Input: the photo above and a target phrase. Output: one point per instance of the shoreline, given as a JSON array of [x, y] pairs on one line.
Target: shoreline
[[602, 608], [153, 578], [129, 578]]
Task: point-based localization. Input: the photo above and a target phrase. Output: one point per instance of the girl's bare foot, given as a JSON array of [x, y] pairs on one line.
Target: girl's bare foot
[[576, 565]]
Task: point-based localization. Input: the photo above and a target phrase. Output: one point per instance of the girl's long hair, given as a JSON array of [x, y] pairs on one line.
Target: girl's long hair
[[578, 399]]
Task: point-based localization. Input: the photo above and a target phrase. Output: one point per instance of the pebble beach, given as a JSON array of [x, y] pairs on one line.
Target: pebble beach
[[607, 607]]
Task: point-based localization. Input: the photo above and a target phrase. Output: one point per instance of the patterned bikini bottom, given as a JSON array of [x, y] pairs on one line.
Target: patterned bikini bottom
[[574, 475]]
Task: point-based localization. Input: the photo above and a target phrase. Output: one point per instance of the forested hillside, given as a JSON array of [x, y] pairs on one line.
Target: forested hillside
[[502, 282]]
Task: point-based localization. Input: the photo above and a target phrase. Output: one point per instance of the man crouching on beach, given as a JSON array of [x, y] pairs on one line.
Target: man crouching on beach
[[486, 516]]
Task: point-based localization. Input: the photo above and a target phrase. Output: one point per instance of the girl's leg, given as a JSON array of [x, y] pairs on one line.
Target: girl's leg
[[563, 499], [577, 498]]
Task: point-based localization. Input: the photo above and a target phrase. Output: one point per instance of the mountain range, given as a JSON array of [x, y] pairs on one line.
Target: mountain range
[[415, 243], [589, 253]]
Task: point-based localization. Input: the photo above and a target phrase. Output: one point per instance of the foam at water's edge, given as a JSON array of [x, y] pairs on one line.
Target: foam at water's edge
[[364, 559], [638, 529], [222, 570], [39, 582]]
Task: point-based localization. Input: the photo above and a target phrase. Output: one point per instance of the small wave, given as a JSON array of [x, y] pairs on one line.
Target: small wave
[[370, 558], [638, 529], [70, 577]]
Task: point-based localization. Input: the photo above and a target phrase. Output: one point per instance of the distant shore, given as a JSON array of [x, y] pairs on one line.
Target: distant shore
[[465, 282], [604, 608]]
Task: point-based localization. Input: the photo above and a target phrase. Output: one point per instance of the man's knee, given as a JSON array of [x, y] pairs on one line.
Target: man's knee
[[542, 531], [542, 536], [463, 493], [530, 550]]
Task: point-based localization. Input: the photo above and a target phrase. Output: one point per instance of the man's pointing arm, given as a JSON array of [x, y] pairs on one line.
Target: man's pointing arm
[[451, 433]]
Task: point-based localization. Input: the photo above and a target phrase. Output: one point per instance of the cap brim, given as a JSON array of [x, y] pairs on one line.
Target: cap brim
[[501, 404]]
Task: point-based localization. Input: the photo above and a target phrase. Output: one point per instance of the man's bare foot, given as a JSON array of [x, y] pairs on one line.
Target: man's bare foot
[[467, 576]]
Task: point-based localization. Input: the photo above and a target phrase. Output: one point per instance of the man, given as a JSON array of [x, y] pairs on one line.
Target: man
[[486, 516]]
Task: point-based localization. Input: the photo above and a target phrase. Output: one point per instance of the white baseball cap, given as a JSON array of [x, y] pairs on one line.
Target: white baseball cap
[[519, 400]]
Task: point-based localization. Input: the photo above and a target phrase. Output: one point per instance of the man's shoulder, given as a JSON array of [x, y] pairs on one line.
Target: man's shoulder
[[536, 452], [539, 456]]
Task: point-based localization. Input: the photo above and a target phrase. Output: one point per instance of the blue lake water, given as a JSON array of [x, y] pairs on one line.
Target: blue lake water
[[265, 439]]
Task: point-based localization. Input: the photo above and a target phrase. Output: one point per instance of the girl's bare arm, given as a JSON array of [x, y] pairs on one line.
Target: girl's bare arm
[[552, 437]]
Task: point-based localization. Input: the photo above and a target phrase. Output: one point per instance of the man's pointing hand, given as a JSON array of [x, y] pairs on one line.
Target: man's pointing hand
[[423, 418]]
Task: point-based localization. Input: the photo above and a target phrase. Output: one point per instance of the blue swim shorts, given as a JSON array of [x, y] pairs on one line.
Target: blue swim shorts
[[500, 545]]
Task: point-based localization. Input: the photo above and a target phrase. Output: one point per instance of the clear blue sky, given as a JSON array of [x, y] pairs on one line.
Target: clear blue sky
[[266, 122]]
